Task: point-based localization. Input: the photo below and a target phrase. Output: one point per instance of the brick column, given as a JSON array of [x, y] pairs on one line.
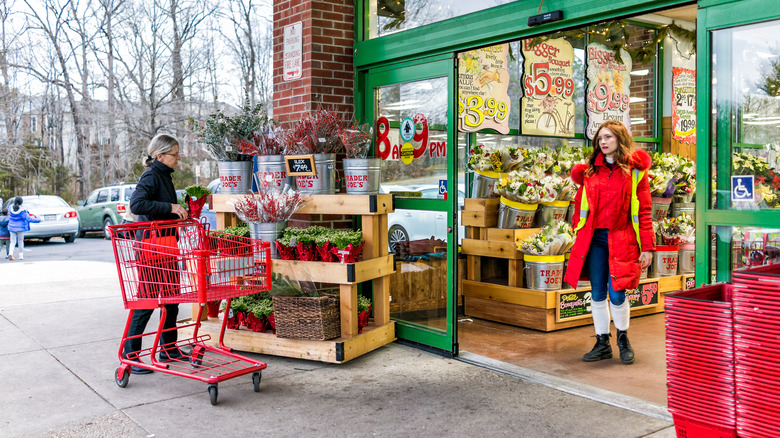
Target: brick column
[[327, 78]]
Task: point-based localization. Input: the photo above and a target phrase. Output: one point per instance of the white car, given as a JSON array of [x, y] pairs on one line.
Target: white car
[[406, 224], [58, 219]]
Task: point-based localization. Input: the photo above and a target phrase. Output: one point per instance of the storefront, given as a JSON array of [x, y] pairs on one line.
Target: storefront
[[440, 79]]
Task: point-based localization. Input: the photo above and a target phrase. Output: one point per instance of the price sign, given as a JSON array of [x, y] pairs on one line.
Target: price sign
[[684, 104], [483, 89], [300, 165], [548, 87], [573, 305], [645, 295], [608, 84]]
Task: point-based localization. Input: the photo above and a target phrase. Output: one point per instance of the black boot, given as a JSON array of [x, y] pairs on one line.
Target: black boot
[[626, 352], [602, 349]]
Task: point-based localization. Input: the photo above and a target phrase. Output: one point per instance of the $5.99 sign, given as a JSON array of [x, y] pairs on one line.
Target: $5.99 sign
[[540, 83]]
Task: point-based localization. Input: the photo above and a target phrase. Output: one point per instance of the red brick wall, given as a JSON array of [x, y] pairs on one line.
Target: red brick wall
[[643, 86], [328, 74]]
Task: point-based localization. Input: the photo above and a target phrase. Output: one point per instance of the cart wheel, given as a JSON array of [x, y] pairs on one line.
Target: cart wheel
[[122, 382], [256, 376], [213, 393]]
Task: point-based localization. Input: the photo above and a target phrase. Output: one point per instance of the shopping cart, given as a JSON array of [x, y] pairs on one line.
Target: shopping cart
[[763, 251], [182, 261]]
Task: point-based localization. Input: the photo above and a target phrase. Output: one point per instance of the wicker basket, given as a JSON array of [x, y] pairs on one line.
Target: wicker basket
[[307, 317]]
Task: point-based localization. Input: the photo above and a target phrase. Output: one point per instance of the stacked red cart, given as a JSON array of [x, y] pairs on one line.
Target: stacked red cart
[[700, 361], [171, 262], [757, 349]]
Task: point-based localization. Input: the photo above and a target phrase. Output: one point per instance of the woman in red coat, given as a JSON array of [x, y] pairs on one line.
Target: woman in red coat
[[606, 242]]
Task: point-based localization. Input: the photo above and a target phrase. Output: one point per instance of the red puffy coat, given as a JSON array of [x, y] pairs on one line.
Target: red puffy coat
[[624, 266]]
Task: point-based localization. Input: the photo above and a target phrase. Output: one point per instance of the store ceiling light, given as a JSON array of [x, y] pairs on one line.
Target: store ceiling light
[[643, 72], [633, 99]]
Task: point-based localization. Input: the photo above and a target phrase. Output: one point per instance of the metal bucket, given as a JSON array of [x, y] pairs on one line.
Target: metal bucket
[[570, 213], [548, 211], [483, 183], [679, 208], [660, 208], [269, 232], [324, 182], [664, 261], [235, 177], [272, 172], [512, 214], [362, 175], [543, 272], [687, 259], [688, 197]]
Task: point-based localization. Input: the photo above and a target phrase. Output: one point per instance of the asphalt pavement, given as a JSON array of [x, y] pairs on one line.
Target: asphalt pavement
[[60, 325]]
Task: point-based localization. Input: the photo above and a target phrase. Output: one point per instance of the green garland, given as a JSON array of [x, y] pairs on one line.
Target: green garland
[[615, 36]]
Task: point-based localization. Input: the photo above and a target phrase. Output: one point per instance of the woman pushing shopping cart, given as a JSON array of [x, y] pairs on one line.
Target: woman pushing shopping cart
[[161, 263]]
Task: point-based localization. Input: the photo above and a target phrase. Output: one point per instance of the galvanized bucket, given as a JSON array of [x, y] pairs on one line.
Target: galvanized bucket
[[269, 232], [660, 208], [664, 261], [235, 177], [565, 267], [687, 259], [555, 211], [543, 272], [483, 184], [362, 175], [512, 214], [272, 172], [688, 197], [324, 182], [679, 208]]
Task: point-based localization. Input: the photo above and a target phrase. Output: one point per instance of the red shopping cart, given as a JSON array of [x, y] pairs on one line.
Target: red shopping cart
[[182, 261]]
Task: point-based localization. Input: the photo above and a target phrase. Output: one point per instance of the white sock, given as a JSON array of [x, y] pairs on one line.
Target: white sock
[[621, 315], [600, 311]]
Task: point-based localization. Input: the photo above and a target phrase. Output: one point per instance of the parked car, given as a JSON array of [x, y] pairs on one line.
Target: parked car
[[405, 224], [104, 207], [58, 219]]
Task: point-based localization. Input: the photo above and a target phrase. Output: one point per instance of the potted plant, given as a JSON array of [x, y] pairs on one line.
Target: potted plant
[[232, 241], [195, 197], [364, 312], [361, 174], [285, 246], [316, 135], [347, 245], [324, 247]]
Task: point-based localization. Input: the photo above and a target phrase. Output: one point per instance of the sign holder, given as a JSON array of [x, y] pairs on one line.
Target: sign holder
[[300, 165]]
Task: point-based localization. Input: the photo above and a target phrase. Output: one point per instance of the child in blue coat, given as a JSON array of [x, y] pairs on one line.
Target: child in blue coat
[[5, 236], [18, 222]]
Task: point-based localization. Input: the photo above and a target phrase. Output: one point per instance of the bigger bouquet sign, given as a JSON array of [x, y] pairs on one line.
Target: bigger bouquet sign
[[608, 82], [483, 84], [548, 87], [684, 105]]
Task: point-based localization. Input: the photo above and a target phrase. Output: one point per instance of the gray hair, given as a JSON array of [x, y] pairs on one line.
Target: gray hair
[[160, 144]]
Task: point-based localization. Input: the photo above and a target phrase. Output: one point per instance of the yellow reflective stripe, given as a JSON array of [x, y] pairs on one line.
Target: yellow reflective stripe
[[636, 177]]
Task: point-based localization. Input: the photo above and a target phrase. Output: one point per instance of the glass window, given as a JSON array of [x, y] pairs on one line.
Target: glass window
[[102, 196], [748, 68], [92, 198], [390, 16], [129, 193], [415, 159], [735, 248], [115, 194]]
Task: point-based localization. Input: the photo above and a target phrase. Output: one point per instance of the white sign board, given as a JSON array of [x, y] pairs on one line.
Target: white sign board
[[293, 51]]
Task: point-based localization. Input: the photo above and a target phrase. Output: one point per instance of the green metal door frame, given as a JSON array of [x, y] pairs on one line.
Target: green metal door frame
[[716, 15], [428, 68]]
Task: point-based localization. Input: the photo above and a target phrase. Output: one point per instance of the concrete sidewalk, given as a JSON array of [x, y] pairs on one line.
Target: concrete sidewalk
[[60, 324]]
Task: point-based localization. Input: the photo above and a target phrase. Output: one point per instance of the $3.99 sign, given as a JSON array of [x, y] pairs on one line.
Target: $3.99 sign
[[473, 110], [540, 83], [602, 98]]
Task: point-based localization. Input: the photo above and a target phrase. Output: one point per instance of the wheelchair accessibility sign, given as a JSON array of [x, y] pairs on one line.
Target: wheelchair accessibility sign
[[742, 187]]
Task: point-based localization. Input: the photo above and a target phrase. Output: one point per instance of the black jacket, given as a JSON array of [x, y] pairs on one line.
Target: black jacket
[[154, 194]]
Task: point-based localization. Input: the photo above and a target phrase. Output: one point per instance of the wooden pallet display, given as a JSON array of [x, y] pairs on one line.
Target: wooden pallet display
[[509, 302], [375, 265]]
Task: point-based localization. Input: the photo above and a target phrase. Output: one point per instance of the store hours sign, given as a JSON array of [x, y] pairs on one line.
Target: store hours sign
[[608, 81]]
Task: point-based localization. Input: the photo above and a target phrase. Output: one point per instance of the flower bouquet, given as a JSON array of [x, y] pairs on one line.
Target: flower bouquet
[[316, 134], [486, 159], [677, 230], [268, 205], [519, 186], [356, 139], [555, 239], [661, 183]]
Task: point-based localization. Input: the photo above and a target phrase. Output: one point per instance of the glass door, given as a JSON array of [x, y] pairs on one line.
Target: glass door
[[738, 219], [411, 108]]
